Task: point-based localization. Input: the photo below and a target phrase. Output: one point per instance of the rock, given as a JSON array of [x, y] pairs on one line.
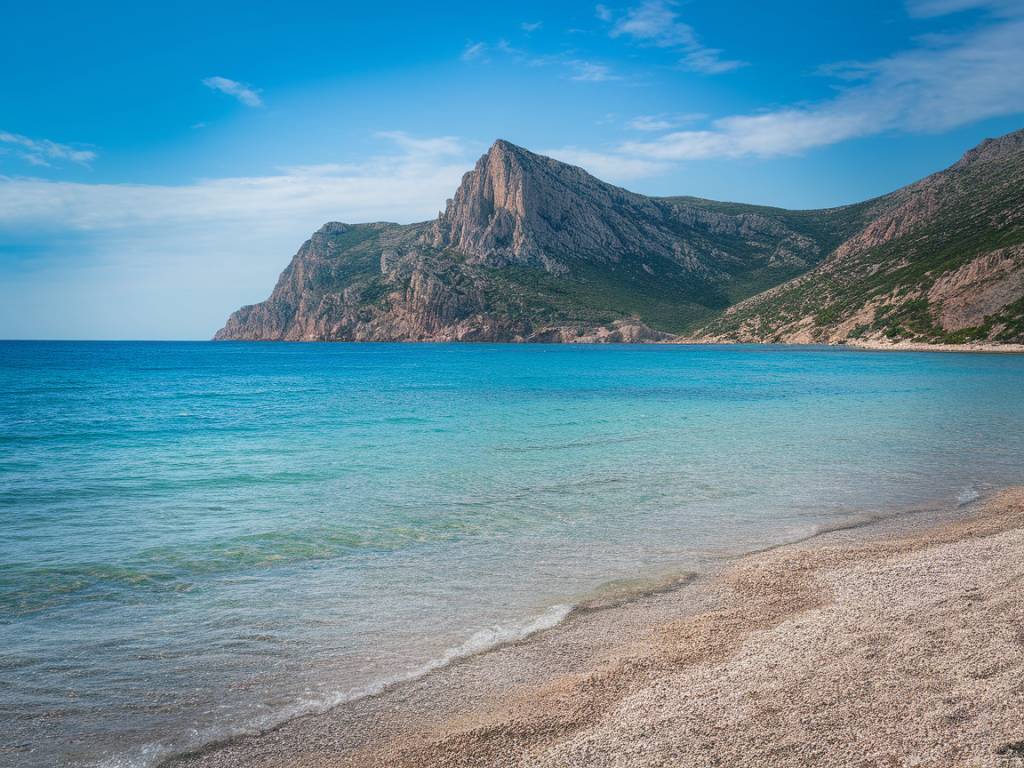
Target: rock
[[532, 249]]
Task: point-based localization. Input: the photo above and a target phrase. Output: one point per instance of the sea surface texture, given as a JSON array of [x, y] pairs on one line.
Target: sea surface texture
[[199, 540]]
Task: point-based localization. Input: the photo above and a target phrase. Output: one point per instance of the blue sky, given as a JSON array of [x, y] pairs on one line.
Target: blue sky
[[159, 166]]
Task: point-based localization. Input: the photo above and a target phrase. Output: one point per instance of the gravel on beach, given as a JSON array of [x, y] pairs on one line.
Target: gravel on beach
[[891, 645]]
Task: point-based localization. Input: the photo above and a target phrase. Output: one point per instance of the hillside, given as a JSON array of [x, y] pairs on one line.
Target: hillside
[[532, 249], [940, 261]]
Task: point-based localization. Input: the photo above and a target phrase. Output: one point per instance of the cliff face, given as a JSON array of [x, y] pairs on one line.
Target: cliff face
[[941, 260], [531, 249], [518, 208], [370, 282]]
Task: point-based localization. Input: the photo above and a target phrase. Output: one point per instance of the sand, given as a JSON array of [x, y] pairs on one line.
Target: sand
[[910, 346], [895, 644], [879, 346]]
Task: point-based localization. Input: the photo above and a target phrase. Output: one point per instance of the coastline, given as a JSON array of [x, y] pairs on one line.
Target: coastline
[[909, 346], [873, 346], [895, 641]]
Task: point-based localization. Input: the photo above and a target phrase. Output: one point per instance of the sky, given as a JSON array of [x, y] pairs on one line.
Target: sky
[[160, 163]]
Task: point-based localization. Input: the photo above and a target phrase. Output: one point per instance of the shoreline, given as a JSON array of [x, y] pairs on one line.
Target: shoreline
[[910, 346], [870, 346], [540, 700]]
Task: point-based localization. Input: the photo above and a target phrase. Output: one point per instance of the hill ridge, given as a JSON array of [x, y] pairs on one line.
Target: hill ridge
[[533, 249]]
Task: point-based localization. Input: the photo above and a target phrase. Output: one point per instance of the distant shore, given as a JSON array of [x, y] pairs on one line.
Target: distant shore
[[885, 346], [909, 346], [900, 642]]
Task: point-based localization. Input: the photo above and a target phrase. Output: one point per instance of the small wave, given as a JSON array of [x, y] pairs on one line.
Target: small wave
[[848, 523], [479, 642], [620, 591], [967, 495]]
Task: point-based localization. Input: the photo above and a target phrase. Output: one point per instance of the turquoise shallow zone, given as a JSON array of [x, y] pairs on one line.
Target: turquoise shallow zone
[[200, 539]]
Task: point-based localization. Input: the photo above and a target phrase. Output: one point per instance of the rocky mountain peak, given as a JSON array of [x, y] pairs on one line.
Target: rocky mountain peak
[[516, 207], [492, 216]]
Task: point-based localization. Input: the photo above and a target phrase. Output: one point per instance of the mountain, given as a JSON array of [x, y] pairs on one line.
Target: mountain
[[941, 260], [532, 249]]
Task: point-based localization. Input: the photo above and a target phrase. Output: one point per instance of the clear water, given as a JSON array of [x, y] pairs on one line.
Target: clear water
[[201, 539]]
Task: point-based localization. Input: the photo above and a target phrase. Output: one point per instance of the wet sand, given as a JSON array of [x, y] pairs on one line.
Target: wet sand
[[899, 643]]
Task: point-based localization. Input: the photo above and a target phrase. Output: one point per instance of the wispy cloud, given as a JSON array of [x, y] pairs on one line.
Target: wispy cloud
[[656, 23], [588, 71], [603, 12], [176, 259], [353, 191], [473, 51], [650, 123], [610, 166], [663, 122], [925, 9], [933, 87], [425, 147], [244, 93], [531, 26], [523, 56], [43, 151], [580, 70]]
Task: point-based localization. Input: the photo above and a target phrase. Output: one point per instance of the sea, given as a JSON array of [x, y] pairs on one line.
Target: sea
[[200, 540]]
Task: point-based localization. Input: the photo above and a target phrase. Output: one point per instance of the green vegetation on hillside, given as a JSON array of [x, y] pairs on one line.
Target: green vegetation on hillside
[[974, 210]]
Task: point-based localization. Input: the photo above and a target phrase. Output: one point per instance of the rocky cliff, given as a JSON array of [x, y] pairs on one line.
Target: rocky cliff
[[531, 249]]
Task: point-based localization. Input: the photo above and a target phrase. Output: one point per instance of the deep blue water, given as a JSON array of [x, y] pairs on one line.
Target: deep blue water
[[198, 539]]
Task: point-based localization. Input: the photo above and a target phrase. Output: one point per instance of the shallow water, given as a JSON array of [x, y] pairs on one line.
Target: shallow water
[[200, 539]]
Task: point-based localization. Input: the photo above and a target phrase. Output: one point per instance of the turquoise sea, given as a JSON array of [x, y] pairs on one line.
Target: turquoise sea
[[201, 539]]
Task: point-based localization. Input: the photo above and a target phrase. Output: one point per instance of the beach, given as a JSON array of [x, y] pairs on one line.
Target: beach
[[899, 642], [910, 346], [875, 345]]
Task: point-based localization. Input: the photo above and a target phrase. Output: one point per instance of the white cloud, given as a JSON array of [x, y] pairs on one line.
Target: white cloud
[[933, 87], [473, 51], [44, 151], [663, 122], [607, 165], [134, 260], [428, 147], [244, 93], [315, 193], [483, 52], [774, 133], [656, 23], [603, 12], [923, 9], [650, 123], [710, 62], [588, 71], [504, 46], [405, 186], [531, 26]]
